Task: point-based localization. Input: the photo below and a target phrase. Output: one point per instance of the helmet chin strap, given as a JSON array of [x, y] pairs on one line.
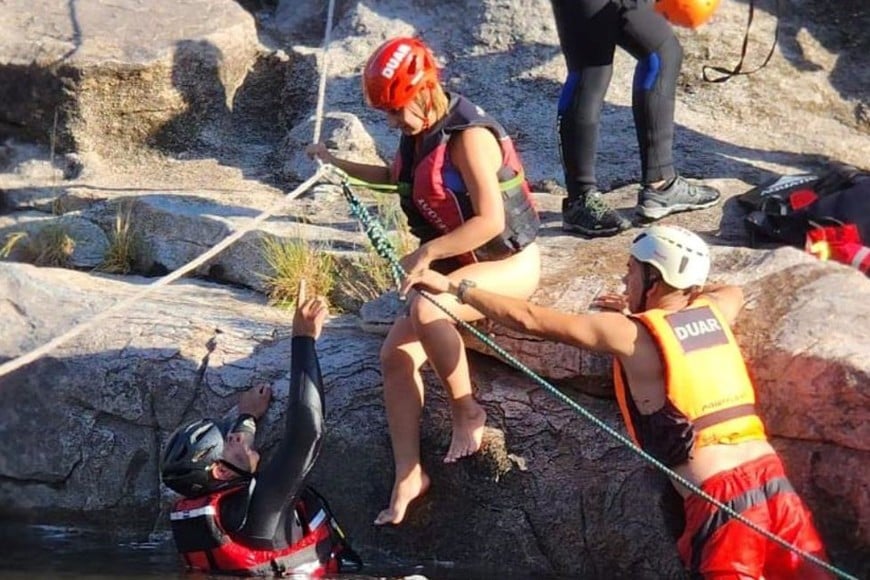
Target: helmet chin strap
[[236, 469]]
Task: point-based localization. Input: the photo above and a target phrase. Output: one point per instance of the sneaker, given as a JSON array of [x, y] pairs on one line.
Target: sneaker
[[591, 216], [654, 204]]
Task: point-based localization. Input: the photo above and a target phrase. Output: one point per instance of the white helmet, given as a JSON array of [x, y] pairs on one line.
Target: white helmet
[[681, 256]]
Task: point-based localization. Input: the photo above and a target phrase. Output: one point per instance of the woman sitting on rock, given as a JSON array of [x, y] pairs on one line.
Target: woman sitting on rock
[[465, 196]]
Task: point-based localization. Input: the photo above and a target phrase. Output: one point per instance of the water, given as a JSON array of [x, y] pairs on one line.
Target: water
[[46, 552]]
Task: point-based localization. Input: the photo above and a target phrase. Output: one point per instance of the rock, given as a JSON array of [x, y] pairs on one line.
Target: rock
[[83, 76], [89, 420], [340, 131], [88, 244], [229, 119], [377, 316]]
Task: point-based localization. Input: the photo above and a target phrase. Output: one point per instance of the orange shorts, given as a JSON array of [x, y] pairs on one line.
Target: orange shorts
[[714, 545]]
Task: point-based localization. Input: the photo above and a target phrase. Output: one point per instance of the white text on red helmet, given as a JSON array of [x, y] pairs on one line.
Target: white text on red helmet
[[396, 59]]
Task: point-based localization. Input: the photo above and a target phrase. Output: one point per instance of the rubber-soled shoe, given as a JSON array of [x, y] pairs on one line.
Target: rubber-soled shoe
[[653, 204], [592, 217]]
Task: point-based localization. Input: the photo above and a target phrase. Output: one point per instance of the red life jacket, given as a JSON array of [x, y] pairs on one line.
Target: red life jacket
[[435, 198], [207, 546]]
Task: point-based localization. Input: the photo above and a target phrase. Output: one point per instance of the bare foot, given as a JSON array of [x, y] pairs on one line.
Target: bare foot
[[467, 434], [405, 491]]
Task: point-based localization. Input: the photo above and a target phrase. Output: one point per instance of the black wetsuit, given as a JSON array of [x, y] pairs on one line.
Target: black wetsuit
[[260, 517], [589, 32]]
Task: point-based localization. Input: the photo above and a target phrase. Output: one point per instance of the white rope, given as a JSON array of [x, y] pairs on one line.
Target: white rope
[[321, 87], [17, 363]]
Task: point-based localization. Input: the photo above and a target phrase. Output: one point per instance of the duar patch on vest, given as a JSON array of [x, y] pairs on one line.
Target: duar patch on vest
[[696, 329]]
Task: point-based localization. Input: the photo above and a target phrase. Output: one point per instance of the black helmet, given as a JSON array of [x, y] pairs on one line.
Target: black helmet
[[185, 466]]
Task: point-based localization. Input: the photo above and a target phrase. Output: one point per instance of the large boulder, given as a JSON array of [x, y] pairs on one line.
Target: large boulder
[[81, 75], [82, 428], [553, 491]]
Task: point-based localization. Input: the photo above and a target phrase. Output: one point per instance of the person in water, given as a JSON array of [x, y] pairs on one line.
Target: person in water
[[463, 191], [589, 32], [241, 516], [686, 397]]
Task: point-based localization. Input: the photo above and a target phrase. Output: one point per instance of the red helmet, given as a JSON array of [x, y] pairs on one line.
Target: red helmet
[[688, 13], [397, 71]]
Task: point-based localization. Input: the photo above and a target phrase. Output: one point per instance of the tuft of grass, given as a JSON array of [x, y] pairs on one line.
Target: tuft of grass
[[124, 245], [292, 260], [58, 207], [52, 246], [367, 277], [12, 241]]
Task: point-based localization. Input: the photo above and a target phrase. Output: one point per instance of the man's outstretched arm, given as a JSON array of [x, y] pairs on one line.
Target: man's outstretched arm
[[608, 332], [279, 483]]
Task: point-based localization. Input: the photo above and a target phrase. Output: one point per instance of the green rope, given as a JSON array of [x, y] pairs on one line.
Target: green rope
[[384, 248]]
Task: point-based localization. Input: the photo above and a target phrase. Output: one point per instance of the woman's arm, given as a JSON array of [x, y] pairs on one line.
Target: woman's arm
[[363, 171]]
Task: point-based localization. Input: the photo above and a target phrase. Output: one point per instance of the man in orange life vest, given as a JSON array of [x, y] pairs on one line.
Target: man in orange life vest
[[243, 518], [666, 333]]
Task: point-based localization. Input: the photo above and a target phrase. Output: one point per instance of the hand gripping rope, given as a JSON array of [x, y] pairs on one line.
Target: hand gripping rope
[[382, 245]]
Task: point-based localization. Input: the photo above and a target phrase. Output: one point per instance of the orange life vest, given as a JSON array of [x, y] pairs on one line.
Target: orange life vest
[[710, 398]]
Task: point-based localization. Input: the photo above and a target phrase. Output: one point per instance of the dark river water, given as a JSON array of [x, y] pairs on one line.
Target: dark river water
[[43, 552]]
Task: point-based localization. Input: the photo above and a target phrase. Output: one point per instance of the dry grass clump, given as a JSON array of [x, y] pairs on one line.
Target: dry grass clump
[[51, 246], [348, 283], [368, 276], [124, 245], [11, 242], [291, 260]]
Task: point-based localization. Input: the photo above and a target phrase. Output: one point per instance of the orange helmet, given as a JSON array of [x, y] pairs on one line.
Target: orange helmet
[[688, 13], [397, 71]]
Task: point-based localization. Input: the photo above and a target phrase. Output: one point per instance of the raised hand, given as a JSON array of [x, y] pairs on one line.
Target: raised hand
[[310, 313], [255, 401]]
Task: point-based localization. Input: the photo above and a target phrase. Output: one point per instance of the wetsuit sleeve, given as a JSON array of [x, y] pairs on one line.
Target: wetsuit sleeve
[[279, 482]]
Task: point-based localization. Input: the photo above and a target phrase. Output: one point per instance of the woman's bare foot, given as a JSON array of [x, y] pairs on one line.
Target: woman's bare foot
[[467, 433], [405, 491]]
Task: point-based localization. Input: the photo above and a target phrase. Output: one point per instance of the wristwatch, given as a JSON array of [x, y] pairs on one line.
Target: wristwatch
[[463, 286]]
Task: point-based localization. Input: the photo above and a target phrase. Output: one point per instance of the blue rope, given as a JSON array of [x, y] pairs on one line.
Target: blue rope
[[382, 245]]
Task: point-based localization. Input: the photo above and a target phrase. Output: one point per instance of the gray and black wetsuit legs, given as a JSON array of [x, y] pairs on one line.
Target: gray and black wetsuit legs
[[579, 119], [584, 211], [652, 104]]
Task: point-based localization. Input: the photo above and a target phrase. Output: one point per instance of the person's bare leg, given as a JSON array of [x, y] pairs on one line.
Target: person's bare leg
[[515, 276], [401, 359], [446, 353]]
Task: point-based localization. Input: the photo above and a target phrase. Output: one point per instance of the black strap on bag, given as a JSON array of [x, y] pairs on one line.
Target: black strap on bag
[[726, 74]]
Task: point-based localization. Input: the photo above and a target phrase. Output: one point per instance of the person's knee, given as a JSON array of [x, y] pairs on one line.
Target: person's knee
[[423, 312], [387, 355], [391, 356], [671, 55], [583, 96], [663, 65]]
